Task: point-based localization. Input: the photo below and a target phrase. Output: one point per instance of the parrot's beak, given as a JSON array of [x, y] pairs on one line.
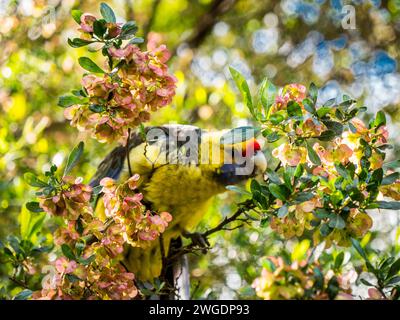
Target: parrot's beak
[[260, 162]]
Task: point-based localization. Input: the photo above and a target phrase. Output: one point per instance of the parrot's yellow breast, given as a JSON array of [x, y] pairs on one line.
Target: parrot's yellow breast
[[183, 191]]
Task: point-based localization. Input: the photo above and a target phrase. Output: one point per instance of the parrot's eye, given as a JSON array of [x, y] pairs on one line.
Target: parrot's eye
[[250, 148]]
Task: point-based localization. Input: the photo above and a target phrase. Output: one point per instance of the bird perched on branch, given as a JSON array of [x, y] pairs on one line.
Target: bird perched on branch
[[181, 168]]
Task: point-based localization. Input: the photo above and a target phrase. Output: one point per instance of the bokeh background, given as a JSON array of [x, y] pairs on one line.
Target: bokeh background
[[287, 41]]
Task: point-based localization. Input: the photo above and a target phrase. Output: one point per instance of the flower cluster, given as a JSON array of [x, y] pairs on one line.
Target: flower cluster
[[69, 199], [90, 247], [137, 83], [300, 280], [70, 281], [88, 268], [140, 226], [330, 164]]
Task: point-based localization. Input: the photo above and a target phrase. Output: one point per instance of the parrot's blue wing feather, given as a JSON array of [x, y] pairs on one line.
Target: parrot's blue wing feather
[[113, 163], [110, 167]]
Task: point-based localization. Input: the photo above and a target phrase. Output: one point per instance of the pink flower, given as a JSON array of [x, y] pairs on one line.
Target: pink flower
[[87, 21], [359, 125], [290, 155], [65, 266], [382, 135], [97, 87], [123, 53]]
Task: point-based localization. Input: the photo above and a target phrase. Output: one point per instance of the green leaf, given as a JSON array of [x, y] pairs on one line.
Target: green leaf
[[272, 137], [279, 191], [33, 226], [335, 126], [391, 178], [393, 281], [394, 269], [377, 176], [128, 30], [341, 170], [276, 118], [392, 205], [77, 42], [337, 222], [87, 64], [30, 223], [313, 91], [267, 94], [327, 135], [67, 251], [237, 190], [107, 13], [136, 40], [294, 109], [314, 158], [380, 119], [323, 111], [356, 244], [76, 14], [366, 283], [87, 261], [273, 176], [319, 278], [330, 102], [72, 278], [303, 196], [299, 251], [33, 207], [73, 158], [67, 101], [34, 181], [99, 28], [244, 89], [309, 106], [96, 108], [299, 171], [352, 128], [268, 264], [321, 213], [283, 211], [23, 295], [391, 165], [239, 134], [339, 260]]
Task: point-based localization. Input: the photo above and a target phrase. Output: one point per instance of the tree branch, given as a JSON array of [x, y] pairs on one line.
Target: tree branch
[[127, 153], [193, 247], [149, 24], [207, 21], [129, 13]]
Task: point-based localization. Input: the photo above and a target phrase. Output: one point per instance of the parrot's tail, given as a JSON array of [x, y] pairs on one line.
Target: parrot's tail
[[146, 264]]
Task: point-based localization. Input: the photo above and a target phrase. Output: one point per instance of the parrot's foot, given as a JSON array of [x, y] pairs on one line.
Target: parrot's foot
[[198, 239]]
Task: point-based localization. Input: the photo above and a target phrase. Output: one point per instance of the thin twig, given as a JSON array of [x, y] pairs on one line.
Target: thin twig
[[129, 10], [150, 22], [228, 220], [192, 247], [127, 153], [18, 282], [163, 257]]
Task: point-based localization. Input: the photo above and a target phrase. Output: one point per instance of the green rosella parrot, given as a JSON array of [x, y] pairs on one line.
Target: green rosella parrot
[[181, 168]]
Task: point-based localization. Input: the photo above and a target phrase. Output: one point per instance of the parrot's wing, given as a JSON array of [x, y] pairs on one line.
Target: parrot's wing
[[170, 141], [113, 163]]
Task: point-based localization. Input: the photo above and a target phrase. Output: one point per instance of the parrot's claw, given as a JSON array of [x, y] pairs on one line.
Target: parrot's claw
[[198, 239]]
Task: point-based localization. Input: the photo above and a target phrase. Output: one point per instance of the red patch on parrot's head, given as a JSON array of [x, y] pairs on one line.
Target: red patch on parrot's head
[[250, 147]]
